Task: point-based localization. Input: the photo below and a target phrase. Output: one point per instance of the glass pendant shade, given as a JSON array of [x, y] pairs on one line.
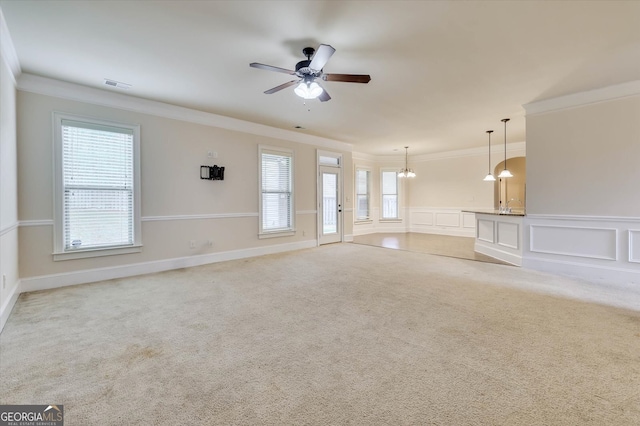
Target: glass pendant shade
[[406, 172], [308, 90], [505, 174], [489, 178]]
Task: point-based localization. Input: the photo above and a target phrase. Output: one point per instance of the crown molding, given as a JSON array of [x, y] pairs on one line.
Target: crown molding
[[517, 148], [75, 92], [8, 50], [630, 88]]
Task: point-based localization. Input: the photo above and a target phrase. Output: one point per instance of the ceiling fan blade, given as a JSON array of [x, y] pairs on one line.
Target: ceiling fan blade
[[282, 86], [348, 78], [271, 68], [324, 96], [321, 57]]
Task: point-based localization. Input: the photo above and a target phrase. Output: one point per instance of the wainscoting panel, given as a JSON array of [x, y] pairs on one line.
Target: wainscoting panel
[[595, 243], [486, 231], [634, 246], [508, 235], [599, 249], [468, 220], [448, 219], [442, 221], [422, 218]]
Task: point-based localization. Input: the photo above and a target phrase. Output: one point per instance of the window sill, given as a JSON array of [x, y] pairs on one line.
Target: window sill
[[97, 252], [390, 220], [276, 234], [362, 221]]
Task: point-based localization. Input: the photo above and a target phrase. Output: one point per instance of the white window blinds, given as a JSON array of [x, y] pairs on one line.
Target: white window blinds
[[389, 195], [98, 185], [362, 194], [276, 191]]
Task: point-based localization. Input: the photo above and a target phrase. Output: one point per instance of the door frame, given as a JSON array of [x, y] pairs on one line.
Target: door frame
[[332, 160]]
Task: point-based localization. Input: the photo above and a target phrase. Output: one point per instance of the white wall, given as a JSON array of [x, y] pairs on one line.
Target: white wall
[[177, 206], [583, 180], [9, 279]]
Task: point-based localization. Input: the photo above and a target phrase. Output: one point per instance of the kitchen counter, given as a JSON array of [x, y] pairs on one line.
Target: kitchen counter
[[499, 235], [514, 212]]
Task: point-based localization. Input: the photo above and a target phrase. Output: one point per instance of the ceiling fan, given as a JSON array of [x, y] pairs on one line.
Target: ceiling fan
[[309, 70]]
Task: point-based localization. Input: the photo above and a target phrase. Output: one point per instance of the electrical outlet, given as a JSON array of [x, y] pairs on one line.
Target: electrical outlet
[[192, 244], [304, 233], [212, 154], [4, 281], [210, 243]]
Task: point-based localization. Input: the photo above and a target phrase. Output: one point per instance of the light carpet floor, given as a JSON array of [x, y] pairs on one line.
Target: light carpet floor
[[337, 335]]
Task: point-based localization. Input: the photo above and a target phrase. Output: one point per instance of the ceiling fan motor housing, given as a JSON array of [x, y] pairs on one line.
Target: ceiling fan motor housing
[[303, 70]]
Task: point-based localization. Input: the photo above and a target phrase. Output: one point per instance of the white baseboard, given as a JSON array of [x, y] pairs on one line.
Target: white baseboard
[[348, 238], [505, 256], [454, 232], [46, 282], [607, 275], [8, 305]]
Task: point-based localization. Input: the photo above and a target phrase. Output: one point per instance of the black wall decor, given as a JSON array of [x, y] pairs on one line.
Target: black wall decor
[[212, 172]]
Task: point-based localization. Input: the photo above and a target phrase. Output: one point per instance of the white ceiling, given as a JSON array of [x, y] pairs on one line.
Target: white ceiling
[[443, 72]]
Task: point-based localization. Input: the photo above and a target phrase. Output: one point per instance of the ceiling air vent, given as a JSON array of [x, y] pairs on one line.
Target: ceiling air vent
[[116, 84]]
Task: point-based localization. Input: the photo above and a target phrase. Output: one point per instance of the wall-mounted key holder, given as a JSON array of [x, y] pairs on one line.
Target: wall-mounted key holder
[[212, 172]]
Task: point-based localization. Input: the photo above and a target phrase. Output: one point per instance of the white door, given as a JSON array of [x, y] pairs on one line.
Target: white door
[[330, 204]]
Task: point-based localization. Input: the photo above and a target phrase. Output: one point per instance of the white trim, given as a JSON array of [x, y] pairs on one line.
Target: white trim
[[198, 216], [8, 305], [606, 275], [633, 257], [283, 152], [584, 218], [8, 50], [533, 249], [96, 252], [630, 88], [60, 253], [37, 222], [493, 251], [75, 92], [348, 238], [9, 229], [515, 149], [45, 282]]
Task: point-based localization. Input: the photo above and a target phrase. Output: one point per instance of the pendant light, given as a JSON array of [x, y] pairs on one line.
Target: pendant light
[[505, 173], [406, 172], [489, 177]]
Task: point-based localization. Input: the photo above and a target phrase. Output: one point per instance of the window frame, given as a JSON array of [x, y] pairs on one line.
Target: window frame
[[368, 194], [398, 217], [291, 229], [59, 250]]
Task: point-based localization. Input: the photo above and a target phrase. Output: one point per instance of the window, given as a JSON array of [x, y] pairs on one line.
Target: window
[[362, 194], [276, 192], [390, 195], [97, 188]]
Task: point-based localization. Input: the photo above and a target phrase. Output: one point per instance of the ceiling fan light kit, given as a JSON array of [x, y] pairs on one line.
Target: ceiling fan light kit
[[308, 71]]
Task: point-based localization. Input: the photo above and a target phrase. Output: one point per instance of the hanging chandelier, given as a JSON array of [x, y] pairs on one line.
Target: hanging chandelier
[[406, 172]]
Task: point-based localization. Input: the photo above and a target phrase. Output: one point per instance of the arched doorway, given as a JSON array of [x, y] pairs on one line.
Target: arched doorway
[[511, 190]]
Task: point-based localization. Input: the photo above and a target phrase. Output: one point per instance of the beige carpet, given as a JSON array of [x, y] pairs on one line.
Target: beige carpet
[[341, 334]]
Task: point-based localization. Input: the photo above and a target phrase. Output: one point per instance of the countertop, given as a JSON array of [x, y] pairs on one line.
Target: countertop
[[515, 212]]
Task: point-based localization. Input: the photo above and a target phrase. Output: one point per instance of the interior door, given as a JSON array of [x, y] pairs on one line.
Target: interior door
[[330, 204]]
